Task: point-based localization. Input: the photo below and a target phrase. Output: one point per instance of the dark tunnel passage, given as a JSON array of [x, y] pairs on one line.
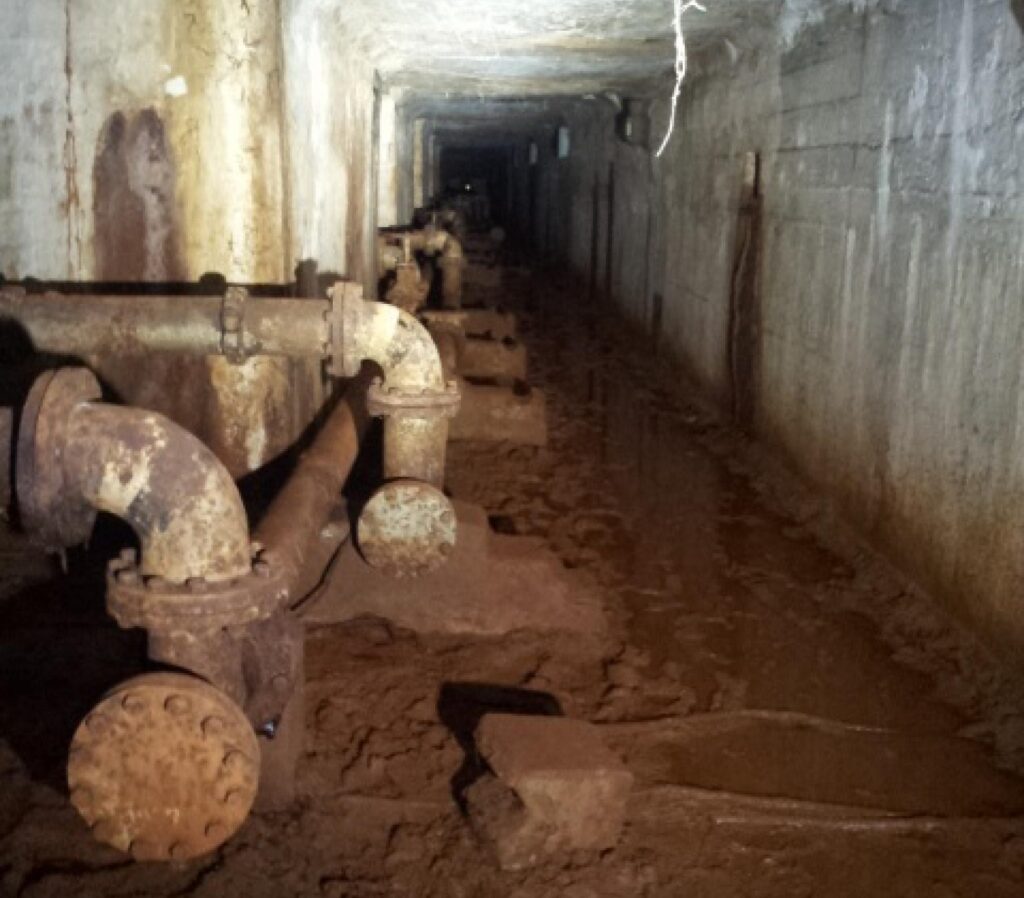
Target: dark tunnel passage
[[511, 449]]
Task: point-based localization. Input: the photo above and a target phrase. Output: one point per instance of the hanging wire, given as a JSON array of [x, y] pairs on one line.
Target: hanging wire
[[680, 6]]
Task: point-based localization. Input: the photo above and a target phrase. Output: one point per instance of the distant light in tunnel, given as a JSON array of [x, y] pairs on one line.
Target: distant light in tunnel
[[563, 142]]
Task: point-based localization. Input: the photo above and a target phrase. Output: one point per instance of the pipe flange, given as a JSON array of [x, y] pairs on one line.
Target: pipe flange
[[391, 402], [51, 512], [153, 603], [345, 312], [165, 767]]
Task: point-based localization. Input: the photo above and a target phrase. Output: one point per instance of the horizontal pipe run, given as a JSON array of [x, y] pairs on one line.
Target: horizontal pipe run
[[493, 323], [81, 325]]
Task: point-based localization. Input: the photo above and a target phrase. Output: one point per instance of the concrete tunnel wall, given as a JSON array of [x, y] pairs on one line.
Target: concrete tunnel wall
[[887, 317], [170, 141]]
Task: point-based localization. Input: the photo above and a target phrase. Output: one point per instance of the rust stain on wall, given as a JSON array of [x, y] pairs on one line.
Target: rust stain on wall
[[137, 240], [71, 159], [136, 229]]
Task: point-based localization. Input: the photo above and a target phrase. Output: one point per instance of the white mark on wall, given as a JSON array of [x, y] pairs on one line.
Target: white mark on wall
[[916, 102], [884, 181], [176, 86], [907, 342], [959, 145]]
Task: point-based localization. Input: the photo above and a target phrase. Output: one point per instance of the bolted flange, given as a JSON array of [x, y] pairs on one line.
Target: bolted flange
[[383, 401], [407, 528], [52, 514], [157, 604], [164, 767]]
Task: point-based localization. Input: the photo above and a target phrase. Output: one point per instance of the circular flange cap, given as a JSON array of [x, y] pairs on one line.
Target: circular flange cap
[[53, 514], [407, 528], [165, 767]]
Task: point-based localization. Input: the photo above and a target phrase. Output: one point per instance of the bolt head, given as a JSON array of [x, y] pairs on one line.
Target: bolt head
[[213, 726], [133, 703], [177, 705]]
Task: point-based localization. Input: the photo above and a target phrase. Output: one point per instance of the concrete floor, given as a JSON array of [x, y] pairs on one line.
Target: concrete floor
[[800, 721]]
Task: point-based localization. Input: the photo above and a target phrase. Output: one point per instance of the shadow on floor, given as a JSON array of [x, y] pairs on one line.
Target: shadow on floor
[[460, 707]]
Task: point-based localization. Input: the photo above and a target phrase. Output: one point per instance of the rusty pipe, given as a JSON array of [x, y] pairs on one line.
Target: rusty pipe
[[389, 255], [437, 241], [290, 530], [432, 241], [81, 325], [169, 487], [77, 456], [406, 353], [389, 336]]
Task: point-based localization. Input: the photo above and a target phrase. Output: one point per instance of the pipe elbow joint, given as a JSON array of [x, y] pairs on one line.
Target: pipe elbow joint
[[382, 333], [78, 456]]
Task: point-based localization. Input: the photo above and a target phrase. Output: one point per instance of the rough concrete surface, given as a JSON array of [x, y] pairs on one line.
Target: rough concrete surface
[[881, 356]]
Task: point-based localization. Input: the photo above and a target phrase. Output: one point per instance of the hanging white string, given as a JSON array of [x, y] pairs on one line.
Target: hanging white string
[[680, 6]]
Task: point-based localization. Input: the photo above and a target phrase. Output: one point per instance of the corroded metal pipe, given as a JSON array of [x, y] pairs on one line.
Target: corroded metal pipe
[[77, 456], [170, 488], [291, 528], [394, 248], [394, 339], [414, 443], [494, 323], [85, 324], [408, 526]]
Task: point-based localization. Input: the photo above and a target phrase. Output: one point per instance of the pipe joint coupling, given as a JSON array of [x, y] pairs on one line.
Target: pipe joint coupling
[[234, 343], [156, 604], [392, 402], [345, 316]]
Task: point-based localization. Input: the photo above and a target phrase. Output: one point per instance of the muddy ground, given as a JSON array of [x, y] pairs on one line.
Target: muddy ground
[[801, 722]]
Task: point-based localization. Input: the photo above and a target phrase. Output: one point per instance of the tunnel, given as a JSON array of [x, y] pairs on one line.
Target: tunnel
[[530, 449]]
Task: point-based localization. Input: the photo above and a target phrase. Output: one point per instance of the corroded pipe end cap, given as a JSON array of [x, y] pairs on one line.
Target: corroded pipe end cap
[[165, 767], [407, 528]]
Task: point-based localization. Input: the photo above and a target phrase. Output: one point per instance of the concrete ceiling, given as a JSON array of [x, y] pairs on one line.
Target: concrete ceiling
[[534, 47]]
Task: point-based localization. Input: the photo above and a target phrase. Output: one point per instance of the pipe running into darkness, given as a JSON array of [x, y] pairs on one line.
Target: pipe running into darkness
[[393, 248]]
